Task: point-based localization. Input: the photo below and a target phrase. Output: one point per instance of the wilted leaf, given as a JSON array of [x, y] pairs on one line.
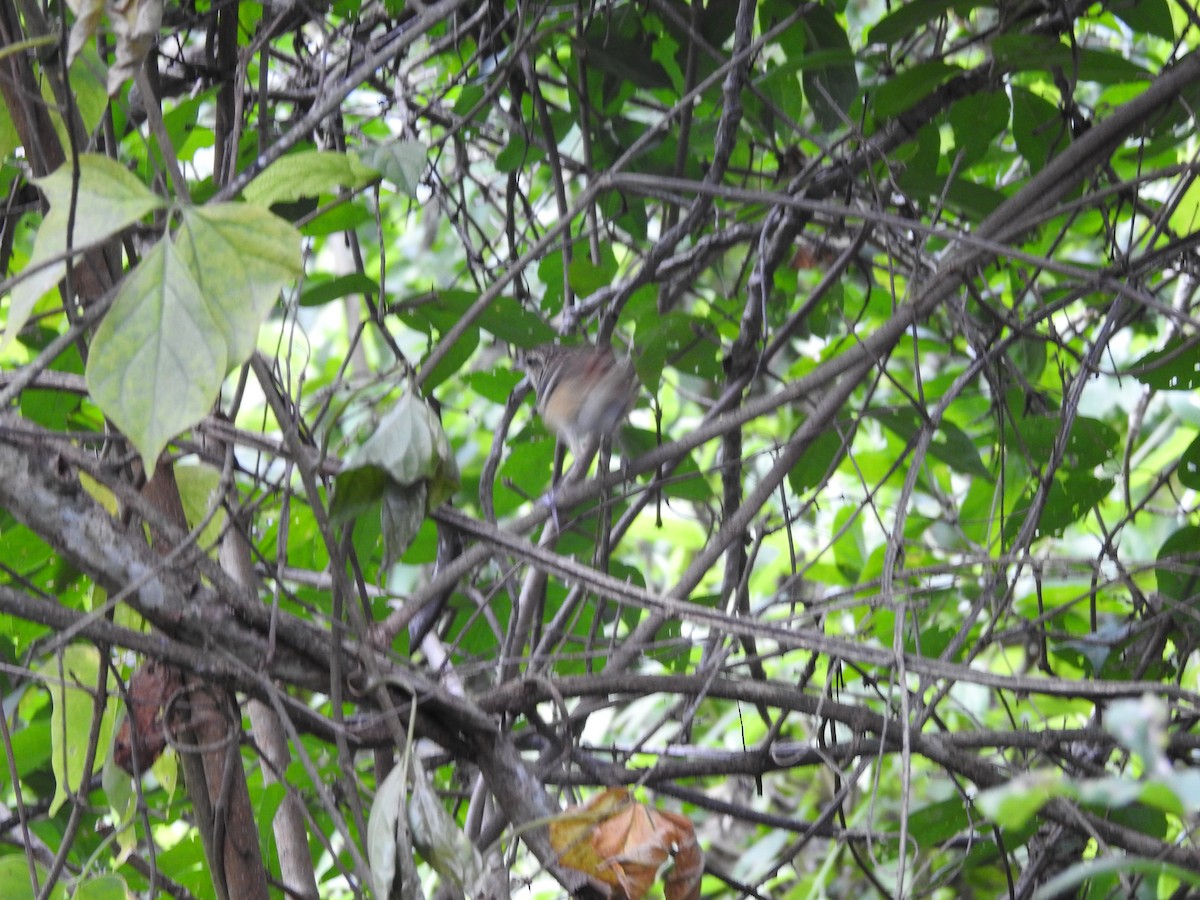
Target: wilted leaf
[[158, 358], [135, 25], [141, 738], [438, 838], [87, 20], [384, 824]]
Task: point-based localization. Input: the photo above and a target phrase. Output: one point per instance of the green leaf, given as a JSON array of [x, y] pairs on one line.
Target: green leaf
[[512, 323], [815, 463], [1094, 870], [906, 88], [407, 444], [1071, 497], [1178, 565], [1038, 128], [1091, 442], [438, 838], [950, 444], [109, 199], [1149, 16], [829, 78], [400, 162], [14, 879], [1189, 465], [1015, 803], [327, 290], [159, 356], [404, 509], [619, 45], [1176, 367], [932, 825], [308, 173], [199, 493], [407, 450], [102, 887], [240, 257], [586, 278], [1023, 52], [906, 18], [71, 678], [977, 119]]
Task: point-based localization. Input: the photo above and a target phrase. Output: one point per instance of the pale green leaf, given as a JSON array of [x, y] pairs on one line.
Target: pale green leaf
[[240, 256], [71, 679], [109, 199], [400, 162], [199, 491], [437, 836], [308, 173], [158, 358], [382, 825], [409, 444], [1015, 803]]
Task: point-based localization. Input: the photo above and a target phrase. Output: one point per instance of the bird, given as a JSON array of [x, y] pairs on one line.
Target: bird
[[584, 393]]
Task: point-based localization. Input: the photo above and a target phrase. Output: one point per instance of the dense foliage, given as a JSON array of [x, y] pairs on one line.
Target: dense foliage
[[887, 587]]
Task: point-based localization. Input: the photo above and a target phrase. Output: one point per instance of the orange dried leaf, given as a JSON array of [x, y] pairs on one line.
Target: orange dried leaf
[[571, 834]]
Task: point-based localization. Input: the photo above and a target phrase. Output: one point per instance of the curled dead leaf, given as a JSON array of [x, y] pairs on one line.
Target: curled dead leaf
[[141, 735], [624, 844]]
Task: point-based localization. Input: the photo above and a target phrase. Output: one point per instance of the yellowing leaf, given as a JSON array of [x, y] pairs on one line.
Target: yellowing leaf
[[158, 358]]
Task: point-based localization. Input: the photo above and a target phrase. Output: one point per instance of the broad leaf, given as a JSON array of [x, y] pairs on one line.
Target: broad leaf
[[240, 256], [159, 356], [830, 82], [109, 199], [72, 679], [308, 173], [400, 162]]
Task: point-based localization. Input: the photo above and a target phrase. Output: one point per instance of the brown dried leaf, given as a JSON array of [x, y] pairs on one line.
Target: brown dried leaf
[[87, 20], [624, 844], [150, 689], [135, 25]]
